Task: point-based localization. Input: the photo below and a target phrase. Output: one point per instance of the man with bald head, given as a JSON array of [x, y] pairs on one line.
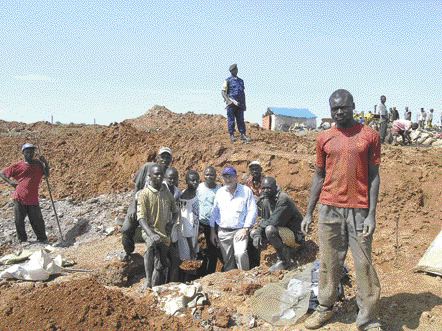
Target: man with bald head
[[156, 213], [346, 183], [279, 223]]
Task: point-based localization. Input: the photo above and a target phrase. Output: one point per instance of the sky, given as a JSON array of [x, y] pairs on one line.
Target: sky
[[111, 60]]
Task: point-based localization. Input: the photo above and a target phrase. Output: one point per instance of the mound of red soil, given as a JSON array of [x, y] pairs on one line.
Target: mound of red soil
[[85, 305]]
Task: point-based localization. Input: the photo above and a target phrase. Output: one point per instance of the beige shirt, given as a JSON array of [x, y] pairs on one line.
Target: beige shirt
[[156, 207]]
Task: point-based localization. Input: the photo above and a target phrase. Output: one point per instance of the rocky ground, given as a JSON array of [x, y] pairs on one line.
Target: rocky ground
[[92, 169]]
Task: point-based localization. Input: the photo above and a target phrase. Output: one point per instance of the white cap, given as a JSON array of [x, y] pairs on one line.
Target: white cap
[[256, 162], [27, 145], [165, 150]]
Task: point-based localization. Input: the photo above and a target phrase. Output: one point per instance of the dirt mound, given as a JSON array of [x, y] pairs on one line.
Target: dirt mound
[[85, 305]]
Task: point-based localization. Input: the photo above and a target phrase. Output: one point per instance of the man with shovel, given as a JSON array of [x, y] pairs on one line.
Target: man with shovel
[[28, 175]]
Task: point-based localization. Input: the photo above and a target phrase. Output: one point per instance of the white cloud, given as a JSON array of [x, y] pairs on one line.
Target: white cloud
[[34, 78]]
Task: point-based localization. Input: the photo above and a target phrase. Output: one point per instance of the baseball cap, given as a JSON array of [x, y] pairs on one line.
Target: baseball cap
[[230, 171], [165, 150], [256, 162], [27, 145]]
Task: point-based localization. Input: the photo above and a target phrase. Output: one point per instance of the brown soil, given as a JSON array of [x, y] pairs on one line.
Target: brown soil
[[84, 305], [191, 265], [91, 160]]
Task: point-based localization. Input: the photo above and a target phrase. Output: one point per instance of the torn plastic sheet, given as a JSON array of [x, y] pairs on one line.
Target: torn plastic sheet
[[39, 267]]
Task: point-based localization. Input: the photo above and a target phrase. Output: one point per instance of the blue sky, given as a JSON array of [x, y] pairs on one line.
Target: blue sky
[[112, 60]]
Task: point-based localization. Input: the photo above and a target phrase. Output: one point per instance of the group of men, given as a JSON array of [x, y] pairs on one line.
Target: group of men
[[401, 127], [345, 183], [237, 220]]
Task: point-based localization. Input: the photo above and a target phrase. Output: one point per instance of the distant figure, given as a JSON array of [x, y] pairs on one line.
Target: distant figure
[[157, 214], [383, 118], [422, 118], [28, 174], [235, 98], [234, 212], [430, 118], [395, 114], [407, 114], [402, 128], [346, 183]]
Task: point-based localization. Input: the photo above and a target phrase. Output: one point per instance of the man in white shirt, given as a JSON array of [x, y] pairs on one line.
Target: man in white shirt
[[383, 113], [234, 211]]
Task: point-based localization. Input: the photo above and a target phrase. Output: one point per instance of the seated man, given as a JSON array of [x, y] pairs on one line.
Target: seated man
[[156, 213], [402, 128], [279, 222]]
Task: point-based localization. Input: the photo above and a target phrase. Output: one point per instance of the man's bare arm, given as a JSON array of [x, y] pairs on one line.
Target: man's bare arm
[[7, 180], [373, 192], [317, 183]]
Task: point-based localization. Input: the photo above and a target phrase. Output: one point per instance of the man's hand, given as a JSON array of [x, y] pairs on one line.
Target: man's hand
[[214, 238], [241, 234], [257, 242], [305, 224], [369, 226], [156, 239]]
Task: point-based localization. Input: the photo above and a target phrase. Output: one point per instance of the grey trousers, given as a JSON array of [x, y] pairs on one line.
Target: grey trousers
[[383, 130], [338, 229], [234, 251]]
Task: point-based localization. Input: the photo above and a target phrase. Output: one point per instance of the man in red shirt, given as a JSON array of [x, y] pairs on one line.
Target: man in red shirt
[[346, 183], [28, 175]]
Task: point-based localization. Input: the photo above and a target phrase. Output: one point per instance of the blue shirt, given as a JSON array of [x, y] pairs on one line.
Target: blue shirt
[[206, 198], [234, 211], [235, 90]]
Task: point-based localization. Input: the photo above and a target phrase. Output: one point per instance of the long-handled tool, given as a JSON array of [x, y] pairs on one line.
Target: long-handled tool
[[50, 194]]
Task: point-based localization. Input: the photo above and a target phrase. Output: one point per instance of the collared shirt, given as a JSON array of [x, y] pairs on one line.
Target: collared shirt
[[206, 198], [156, 207], [234, 211]]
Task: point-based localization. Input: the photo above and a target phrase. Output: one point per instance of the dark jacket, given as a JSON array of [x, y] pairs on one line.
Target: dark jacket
[[280, 211]]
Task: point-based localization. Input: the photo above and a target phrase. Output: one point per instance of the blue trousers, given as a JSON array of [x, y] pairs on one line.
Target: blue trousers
[[237, 113]]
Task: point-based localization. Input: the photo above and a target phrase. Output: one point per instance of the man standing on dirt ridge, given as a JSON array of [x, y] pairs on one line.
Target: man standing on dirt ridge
[[346, 183], [28, 173], [235, 99], [142, 179]]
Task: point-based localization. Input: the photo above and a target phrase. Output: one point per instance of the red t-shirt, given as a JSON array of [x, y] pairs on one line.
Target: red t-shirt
[[28, 177], [345, 154]]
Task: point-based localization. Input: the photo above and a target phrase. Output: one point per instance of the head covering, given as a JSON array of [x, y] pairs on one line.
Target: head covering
[[165, 150], [256, 162], [233, 66], [230, 171], [27, 145]]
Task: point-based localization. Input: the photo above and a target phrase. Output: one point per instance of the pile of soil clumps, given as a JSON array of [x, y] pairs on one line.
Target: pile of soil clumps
[[84, 304]]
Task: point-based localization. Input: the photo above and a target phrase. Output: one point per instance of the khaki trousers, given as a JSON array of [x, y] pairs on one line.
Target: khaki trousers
[[338, 229], [234, 251]]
